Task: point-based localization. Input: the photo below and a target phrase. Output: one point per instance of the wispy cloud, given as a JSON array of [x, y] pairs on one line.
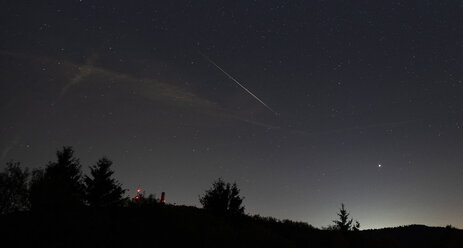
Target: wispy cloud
[[151, 89], [83, 72]]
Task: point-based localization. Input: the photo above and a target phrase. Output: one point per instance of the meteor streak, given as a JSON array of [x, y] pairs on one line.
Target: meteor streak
[[236, 81]]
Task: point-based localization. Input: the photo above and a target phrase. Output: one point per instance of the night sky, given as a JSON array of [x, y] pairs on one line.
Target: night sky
[[353, 85]]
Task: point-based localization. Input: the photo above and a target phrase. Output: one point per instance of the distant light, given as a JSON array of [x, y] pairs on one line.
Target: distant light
[[137, 197], [138, 190], [379, 165]]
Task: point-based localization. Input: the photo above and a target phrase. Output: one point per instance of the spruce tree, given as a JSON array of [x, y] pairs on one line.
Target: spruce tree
[[344, 223], [59, 186], [101, 189]]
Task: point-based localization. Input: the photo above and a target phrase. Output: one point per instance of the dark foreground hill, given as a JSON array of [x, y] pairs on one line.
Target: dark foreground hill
[[179, 226]]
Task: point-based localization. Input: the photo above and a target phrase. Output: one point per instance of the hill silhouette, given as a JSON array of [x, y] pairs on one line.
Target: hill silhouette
[[60, 207], [181, 226]]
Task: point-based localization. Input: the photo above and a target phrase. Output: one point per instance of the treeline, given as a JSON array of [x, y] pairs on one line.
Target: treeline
[[61, 186], [59, 206]]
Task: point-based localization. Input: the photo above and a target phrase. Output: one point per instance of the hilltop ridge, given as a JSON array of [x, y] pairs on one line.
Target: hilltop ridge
[[180, 226]]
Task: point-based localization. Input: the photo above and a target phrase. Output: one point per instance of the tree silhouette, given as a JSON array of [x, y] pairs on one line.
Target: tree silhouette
[[235, 201], [101, 189], [344, 223], [59, 185], [356, 226], [223, 198], [13, 188]]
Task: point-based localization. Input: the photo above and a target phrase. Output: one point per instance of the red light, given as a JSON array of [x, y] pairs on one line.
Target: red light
[[137, 197], [138, 190]]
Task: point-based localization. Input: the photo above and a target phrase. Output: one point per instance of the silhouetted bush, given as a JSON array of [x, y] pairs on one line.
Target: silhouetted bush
[[59, 186], [13, 188], [223, 198], [101, 189]]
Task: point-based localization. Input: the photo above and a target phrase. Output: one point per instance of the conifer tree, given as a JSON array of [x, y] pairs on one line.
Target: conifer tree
[[344, 223], [101, 189], [59, 185]]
